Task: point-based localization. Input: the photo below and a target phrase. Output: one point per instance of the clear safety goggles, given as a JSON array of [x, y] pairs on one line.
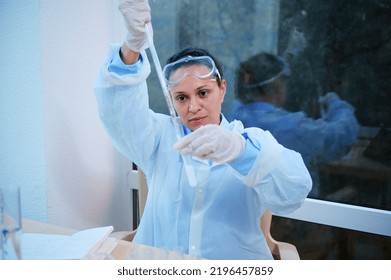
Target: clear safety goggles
[[177, 71], [285, 71]]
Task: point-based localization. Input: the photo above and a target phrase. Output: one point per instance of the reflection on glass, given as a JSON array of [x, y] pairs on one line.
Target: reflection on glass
[[347, 51], [363, 176], [261, 91], [321, 242]]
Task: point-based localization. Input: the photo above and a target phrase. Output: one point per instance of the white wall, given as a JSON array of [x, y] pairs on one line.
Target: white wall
[[55, 146], [22, 141]]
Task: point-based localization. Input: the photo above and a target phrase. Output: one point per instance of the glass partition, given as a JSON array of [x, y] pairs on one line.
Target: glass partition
[[346, 50]]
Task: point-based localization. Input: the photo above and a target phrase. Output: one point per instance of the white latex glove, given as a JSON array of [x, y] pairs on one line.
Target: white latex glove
[[325, 99], [212, 142], [136, 14], [296, 43]]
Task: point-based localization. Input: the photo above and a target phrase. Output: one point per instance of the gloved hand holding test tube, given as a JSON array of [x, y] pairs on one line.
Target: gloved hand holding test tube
[[177, 121]]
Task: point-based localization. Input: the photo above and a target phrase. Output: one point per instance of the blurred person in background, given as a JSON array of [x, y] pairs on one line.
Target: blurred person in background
[[261, 92]]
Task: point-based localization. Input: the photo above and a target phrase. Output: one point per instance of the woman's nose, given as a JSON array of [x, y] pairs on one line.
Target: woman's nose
[[194, 106]]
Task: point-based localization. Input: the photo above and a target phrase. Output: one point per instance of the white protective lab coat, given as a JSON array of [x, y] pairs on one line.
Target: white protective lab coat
[[218, 219]]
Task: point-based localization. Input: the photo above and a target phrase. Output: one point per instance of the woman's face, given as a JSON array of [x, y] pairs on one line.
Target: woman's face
[[198, 101]]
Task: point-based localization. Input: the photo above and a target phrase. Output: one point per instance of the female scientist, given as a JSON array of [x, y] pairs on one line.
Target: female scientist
[[240, 172]]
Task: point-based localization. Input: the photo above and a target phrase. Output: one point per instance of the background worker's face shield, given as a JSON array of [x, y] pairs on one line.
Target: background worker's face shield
[[285, 71], [175, 72]]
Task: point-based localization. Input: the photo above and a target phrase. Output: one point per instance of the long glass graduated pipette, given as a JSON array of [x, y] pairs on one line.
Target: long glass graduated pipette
[[176, 120]]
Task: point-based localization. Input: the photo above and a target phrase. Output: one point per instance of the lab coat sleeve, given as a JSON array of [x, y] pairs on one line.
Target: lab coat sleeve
[[278, 175], [334, 133], [345, 128], [124, 111]]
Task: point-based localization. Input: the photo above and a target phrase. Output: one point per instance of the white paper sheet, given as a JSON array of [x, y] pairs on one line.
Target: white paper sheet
[[37, 246]]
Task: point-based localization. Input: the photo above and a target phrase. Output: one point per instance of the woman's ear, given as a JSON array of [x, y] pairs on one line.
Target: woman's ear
[[223, 89]]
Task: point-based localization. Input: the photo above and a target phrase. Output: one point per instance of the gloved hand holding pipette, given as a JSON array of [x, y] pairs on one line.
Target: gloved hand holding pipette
[[136, 14], [212, 142]]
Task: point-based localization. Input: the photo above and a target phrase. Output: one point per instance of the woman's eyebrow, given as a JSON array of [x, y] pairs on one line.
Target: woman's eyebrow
[[185, 92]]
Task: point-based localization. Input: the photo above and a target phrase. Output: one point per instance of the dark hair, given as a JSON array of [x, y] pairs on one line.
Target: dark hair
[[256, 69], [191, 51]]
